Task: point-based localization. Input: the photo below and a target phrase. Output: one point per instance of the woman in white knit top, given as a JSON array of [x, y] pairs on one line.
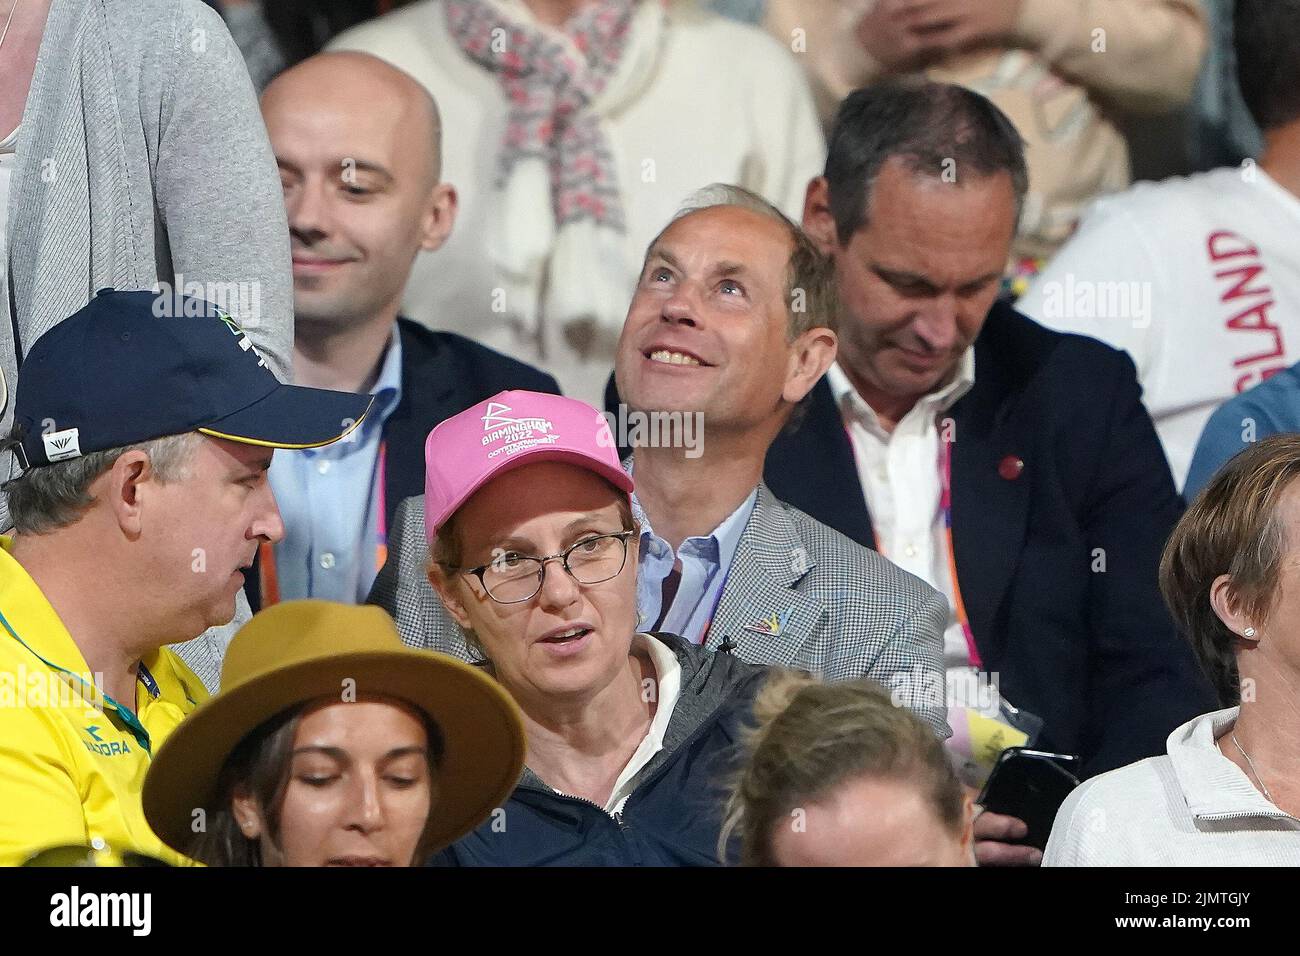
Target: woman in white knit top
[[1228, 791]]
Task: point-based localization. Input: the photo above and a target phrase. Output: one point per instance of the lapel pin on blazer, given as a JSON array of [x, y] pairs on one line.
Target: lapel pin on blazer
[[1010, 467], [773, 624]]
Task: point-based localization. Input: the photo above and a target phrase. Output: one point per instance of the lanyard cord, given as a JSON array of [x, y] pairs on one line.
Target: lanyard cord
[[944, 465], [128, 715]]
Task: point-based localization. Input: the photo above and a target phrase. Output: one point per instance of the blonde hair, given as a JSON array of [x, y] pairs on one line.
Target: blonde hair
[[811, 736], [1231, 528]]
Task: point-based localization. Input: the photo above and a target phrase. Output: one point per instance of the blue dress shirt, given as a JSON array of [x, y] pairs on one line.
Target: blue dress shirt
[[705, 563], [328, 499]]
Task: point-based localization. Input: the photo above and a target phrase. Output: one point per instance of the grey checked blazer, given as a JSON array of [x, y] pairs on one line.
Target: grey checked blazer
[[798, 595]]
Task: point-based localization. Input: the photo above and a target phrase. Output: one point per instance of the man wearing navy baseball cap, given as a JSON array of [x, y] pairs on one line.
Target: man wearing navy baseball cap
[[145, 441]]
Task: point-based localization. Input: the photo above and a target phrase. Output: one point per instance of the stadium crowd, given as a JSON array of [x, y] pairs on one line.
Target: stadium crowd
[[650, 432]]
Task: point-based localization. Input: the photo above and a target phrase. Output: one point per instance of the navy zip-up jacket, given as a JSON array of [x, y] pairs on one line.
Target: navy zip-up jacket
[[674, 813]]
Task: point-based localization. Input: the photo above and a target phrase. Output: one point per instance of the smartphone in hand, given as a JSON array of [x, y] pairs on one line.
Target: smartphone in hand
[[1030, 785]]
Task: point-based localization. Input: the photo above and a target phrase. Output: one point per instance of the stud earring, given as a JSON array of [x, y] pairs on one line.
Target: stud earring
[[1249, 633]]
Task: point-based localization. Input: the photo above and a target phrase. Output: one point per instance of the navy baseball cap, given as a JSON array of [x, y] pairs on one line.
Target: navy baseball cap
[[131, 367]]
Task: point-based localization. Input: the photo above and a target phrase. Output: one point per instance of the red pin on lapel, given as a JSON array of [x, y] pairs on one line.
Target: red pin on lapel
[[1010, 467]]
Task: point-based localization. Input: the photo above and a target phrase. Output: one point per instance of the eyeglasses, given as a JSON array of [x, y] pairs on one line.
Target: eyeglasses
[[512, 578]]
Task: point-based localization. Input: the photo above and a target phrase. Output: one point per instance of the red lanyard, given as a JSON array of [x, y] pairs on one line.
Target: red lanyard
[[381, 501], [945, 506], [268, 577]]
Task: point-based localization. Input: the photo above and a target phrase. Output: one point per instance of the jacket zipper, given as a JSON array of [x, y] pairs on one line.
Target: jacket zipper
[[617, 818], [1279, 815]]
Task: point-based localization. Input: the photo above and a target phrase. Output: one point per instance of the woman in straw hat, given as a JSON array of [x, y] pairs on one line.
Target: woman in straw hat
[[332, 744], [628, 733]]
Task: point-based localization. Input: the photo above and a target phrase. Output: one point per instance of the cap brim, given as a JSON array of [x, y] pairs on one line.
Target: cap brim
[[292, 416], [615, 475], [483, 736]]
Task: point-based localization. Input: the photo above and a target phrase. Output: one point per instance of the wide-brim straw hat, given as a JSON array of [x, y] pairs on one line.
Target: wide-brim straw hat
[[302, 651]]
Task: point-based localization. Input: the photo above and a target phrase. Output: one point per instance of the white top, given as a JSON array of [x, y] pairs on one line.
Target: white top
[[901, 482], [668, 673], [720, 102], [1197, 278], [1192, 807]]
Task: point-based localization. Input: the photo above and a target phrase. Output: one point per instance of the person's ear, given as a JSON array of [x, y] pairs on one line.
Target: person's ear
[[446, 591], [968, 829], [1228, 608], [248, 816], [818, 222], [127, 487], [811, 355], [439, 217]]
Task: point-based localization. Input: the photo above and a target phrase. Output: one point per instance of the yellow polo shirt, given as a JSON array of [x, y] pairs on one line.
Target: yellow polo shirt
[[72, 760]]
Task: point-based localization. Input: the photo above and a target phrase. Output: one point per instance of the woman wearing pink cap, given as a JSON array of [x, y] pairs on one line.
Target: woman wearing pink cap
[[530, 519]]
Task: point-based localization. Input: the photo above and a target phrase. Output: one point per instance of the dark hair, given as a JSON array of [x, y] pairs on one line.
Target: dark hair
[[811, 737], [260, 766], [1231, 528], [929, 126], [1266, 39]]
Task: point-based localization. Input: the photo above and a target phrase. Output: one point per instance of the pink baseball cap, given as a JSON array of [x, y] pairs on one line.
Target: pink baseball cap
[[510, 429]]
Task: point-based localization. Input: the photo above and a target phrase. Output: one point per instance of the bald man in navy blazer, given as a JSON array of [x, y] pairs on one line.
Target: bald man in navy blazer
[[1012, 467]]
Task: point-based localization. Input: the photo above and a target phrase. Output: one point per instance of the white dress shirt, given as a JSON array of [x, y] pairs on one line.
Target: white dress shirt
[[900, 476]]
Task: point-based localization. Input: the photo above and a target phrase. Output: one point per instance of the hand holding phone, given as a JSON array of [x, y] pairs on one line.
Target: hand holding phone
[[1030, 785]]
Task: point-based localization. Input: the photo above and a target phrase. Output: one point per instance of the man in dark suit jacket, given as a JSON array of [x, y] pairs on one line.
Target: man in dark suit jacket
[[357, 142], [442, 373], [1060, 496]]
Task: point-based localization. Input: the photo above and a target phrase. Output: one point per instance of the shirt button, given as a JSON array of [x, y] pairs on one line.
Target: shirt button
[[910, 551], [881, 473], [327, 560], [322, 466], [97, 843]]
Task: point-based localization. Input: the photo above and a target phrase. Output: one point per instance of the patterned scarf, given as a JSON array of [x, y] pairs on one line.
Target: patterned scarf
[[549, 83]]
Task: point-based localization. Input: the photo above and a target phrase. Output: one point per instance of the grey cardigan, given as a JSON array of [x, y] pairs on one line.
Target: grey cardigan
[[142, 158]]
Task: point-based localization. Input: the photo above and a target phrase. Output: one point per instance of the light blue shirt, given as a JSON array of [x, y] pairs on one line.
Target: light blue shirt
[[705, 563], [1270, 408], [328, 500]]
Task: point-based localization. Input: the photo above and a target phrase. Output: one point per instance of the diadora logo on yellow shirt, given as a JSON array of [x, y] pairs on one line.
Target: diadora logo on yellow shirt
[[105, 748]]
